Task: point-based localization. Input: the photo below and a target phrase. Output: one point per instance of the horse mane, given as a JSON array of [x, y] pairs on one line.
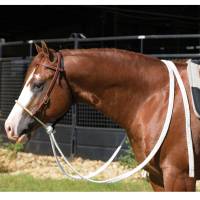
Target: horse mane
[[77, 52], [106, 52], [180, 62], [119, 53]]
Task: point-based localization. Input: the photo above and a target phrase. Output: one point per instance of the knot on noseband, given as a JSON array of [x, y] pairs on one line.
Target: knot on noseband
[[50, 130]]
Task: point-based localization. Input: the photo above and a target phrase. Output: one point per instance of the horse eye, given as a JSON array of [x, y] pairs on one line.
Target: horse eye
[[38, 86]]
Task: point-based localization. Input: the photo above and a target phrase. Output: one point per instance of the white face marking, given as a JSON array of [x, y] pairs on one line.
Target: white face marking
[[26, 93], [37, 76], [24, 98]]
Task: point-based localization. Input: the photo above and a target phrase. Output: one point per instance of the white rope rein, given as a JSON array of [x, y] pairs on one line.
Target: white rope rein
[[172, 71], [154, 150], [187, 117]]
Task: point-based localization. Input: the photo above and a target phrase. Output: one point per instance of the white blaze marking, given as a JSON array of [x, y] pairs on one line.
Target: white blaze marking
[[24, 98], [26, 93], [37, 76]]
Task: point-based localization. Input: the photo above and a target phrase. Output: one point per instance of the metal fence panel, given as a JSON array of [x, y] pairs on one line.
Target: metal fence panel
[[11, 81]]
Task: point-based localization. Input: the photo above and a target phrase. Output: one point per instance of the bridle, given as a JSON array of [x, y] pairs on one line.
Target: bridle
[[58, 68]]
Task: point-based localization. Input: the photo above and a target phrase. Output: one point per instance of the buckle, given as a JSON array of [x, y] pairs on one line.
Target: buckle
[[46, 100]]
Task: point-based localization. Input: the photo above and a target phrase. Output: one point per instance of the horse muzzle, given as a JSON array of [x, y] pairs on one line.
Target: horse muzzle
[[12, 136]]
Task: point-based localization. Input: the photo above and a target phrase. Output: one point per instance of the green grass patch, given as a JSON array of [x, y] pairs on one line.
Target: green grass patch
[[22, 183]]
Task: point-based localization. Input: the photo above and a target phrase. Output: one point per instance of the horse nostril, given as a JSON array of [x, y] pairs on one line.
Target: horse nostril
[[10, 132], [9, 129]]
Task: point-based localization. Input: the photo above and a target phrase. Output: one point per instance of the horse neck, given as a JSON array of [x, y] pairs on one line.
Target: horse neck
[[114, 82]]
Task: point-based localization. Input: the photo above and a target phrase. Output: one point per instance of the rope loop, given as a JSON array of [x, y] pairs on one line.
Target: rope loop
[[50, 130]]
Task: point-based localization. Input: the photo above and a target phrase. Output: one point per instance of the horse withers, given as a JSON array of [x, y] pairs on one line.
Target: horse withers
[[130, 88]]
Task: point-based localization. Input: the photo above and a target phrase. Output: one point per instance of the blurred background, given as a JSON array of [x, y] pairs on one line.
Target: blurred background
[[35, 22]]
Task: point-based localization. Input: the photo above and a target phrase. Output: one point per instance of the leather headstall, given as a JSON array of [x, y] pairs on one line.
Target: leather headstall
[[58, 68]]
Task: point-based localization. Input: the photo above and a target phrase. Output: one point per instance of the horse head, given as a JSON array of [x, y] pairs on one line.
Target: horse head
[[45, 94]]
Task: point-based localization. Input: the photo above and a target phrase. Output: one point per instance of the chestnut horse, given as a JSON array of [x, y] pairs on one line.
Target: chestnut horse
[[131, 88]]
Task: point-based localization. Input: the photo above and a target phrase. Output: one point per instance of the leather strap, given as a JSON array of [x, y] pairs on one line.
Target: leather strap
[[58, 69]]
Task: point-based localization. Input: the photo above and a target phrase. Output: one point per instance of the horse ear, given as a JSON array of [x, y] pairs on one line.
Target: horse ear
[[38, 48], [44, 47], [52, 56]]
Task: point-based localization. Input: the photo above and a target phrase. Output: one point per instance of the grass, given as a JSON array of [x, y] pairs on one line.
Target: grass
[[22, 183]]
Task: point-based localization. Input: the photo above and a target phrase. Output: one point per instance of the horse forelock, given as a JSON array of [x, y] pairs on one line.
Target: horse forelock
[[39, 58]]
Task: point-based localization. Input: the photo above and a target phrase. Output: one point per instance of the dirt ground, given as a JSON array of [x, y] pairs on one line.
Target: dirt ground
[[46, 167]]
